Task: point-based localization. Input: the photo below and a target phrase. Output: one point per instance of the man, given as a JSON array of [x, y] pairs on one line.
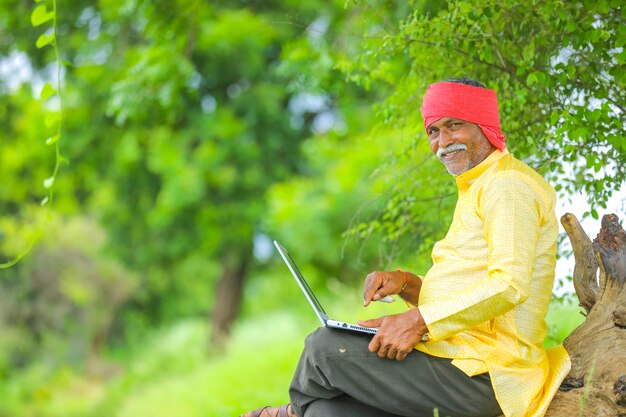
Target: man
[[471, 342]]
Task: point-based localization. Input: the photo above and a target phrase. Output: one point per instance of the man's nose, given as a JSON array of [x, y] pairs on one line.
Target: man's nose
[[445, 139]]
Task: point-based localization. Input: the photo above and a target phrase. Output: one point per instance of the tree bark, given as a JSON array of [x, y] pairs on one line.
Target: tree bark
[[228, 294], [596, 384]]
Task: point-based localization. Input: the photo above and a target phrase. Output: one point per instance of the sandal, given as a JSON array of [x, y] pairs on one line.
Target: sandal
[[284, 410]]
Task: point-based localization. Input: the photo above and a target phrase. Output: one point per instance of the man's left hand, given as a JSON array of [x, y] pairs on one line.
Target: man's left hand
[[397, 334]]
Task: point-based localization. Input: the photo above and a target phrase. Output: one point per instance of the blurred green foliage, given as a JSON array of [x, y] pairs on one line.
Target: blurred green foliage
[[193, 133], [57, 307]]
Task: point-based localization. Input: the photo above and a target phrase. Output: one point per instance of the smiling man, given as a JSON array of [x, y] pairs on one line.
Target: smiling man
[[471, 342]]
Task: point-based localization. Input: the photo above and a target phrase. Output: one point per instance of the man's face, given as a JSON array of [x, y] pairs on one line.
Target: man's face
[[460, 145]]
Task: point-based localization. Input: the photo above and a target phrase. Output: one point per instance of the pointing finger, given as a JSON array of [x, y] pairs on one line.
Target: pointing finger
[[373, 282]]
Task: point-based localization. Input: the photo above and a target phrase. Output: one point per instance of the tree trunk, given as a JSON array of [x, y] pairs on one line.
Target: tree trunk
[[228, 294], [596, 385]]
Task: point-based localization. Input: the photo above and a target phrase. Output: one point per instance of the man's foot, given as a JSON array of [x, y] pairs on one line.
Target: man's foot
[[267, 411]]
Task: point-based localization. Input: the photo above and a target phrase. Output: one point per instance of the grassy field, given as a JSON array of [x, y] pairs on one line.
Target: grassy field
[[171, 374]]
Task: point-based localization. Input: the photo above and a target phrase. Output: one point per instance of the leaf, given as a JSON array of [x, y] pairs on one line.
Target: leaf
[[554, 118], [40, 15], [47, 91], [52, 119], [47, 183], [44, 39], [52, 140], [532, 79], [44, 201]]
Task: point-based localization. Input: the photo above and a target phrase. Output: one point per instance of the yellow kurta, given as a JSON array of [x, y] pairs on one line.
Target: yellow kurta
[[486, 296]]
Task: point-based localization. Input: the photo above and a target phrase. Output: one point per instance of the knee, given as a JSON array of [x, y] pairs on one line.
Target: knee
[[320, 341], [321, 335], [325, 342]]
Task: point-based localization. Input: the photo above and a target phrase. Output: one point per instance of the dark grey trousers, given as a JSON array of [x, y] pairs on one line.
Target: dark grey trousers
[[337, 376]]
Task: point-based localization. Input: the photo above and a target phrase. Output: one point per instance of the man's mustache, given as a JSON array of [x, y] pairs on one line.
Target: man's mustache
[[451, 148]]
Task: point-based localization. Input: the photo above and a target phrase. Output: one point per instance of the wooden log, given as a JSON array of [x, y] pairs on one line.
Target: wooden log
[[596, 384]]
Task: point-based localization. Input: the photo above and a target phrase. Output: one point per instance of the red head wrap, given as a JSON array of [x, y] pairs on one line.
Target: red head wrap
[[461, 101]]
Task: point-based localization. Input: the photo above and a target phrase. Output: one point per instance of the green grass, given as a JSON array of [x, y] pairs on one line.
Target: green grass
[[172, 374], [254, 371]]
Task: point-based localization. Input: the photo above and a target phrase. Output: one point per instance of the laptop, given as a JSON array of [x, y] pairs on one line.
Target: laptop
[[308, 293]]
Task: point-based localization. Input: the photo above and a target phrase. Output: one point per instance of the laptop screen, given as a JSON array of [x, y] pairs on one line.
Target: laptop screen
[[308, 292]]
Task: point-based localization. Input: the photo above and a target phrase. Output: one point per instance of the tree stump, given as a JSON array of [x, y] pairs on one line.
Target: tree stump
[[596, 384]]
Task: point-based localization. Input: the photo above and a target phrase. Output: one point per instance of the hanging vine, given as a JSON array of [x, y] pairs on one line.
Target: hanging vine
[[41, 16]]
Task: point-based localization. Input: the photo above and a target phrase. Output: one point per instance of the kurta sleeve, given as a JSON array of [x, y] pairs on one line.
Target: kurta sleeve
[[511, 210]]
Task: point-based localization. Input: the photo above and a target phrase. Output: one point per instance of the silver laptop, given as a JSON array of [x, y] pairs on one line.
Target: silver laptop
[[317, 307]]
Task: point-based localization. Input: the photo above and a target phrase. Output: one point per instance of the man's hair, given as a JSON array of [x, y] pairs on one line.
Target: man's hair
[[467, 81]]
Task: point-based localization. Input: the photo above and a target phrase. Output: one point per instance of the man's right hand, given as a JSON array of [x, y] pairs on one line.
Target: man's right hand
[[379, 284]]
